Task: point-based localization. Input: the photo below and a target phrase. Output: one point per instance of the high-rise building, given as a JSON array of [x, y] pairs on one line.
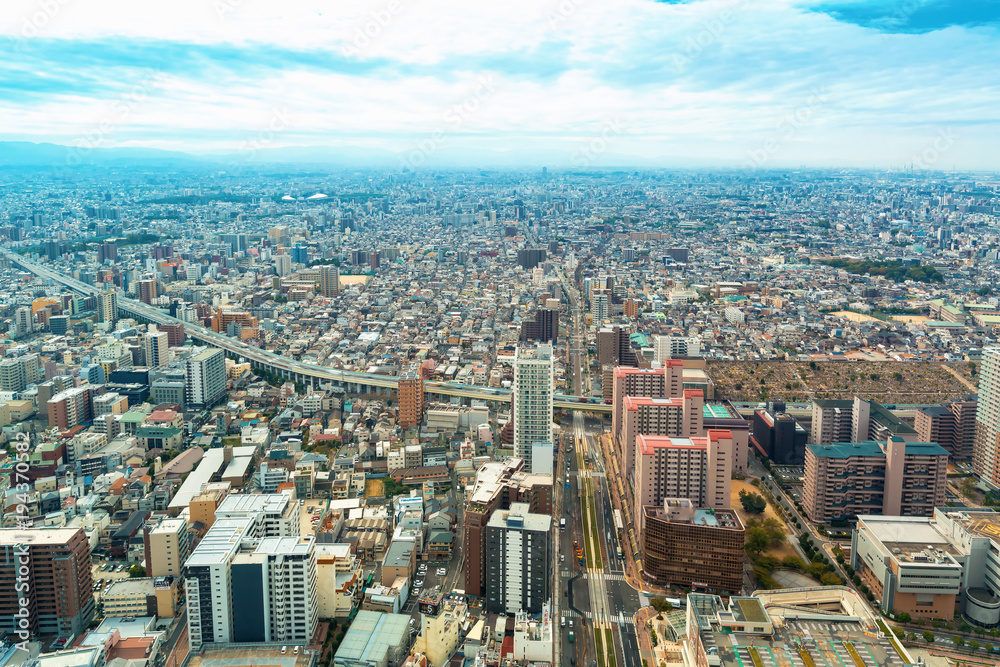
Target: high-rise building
[[545, 327], [107, 306], [205, 384], [156, 348], [529, 258], [300, 254], [831, 421], [283, 264], [59, 324], [614, 346], [699, 469], [223, 317], [329, 280], [146, 289], [683, 545], [986, 449], [24, 321], [59, 598], [534, 388], [71, 407], [951, 425], [175, 333], [894, 478], [498, 485], [411, 397], [664, 382], [274, 591], [107, 252], [600, 304], [667, 347], [641, 415], [518, 562], [778, 436], [19, 372], [237, 242], [168, 545]]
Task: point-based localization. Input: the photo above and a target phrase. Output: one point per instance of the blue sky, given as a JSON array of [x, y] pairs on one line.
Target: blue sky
[[755, 83]]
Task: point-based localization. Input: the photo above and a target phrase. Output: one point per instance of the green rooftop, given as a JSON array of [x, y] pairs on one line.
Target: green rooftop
[[845, 450], [714, 411]]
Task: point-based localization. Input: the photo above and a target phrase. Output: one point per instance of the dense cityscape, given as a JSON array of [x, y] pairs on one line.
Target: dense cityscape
[[613, 417]]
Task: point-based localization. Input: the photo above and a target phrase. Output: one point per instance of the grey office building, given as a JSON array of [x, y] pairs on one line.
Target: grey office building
[[518, 569]]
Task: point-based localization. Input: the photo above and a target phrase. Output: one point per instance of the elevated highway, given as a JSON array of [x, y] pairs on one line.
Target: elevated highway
[[290, 369]]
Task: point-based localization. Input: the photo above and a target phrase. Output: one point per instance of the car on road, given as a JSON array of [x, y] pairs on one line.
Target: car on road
[[418, 583]]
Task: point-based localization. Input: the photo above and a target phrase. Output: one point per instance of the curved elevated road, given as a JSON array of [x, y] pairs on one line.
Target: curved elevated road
[[289, 368]]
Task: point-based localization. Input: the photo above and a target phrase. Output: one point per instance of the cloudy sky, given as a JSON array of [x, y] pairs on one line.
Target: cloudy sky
[[769, 83]]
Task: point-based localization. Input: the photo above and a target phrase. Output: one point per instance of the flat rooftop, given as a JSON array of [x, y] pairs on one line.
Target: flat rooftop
[[220, 542], [269, 503], [36, 536], [908, 534], [249, 655]]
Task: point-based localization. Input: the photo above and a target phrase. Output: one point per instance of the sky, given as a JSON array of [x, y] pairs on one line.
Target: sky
[[754, 84]]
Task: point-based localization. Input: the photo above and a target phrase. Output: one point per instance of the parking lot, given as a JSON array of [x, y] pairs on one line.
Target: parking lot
[[309, 510], [825, 643]]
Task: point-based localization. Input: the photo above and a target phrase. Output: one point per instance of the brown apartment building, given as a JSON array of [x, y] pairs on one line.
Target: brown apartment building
[[683, 545], [894, 478], [58, 591], [951, 425], [411, 397], [499, 484]]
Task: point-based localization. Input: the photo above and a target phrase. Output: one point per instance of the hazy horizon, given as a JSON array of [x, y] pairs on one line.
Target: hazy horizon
[[566, 84]]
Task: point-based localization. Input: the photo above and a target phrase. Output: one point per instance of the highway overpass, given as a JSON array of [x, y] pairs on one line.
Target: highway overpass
[[290, 369]]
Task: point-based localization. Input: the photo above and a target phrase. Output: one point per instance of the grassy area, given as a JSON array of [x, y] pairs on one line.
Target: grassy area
[[755, 657], [600, 647], [806, 658], [586, 530], [612, 661], [231, 441], [854, 654], [593, 526]]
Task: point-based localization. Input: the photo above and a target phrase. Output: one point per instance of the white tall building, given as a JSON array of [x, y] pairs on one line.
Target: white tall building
[[283, 264], [245, 589], [668, 347], [986, 448], [205, 384], [534, 386], [107, 306], [156, 348], [24, 321], [600, 304]]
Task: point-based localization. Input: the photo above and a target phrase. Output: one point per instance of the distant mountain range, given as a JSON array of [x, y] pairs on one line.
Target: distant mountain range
[[27, 154]]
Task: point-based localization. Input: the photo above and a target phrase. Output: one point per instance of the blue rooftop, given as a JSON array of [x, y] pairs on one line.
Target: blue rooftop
[[843, 450]]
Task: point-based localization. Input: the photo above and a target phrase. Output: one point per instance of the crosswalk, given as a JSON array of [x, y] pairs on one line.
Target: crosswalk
[[616, 619], [566, 574]]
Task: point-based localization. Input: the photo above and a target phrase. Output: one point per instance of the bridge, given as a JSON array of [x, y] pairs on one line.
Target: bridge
[[296, 371]]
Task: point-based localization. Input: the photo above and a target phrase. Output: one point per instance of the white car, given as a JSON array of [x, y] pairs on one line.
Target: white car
[[442, 572]]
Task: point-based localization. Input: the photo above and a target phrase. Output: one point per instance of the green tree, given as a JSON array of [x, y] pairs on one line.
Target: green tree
[[928, 636], [756, 540], [660, 604], [957, 640], [974, 644], [968, 486], [903, 617], [830, 579], [137, 571], [753, 503]]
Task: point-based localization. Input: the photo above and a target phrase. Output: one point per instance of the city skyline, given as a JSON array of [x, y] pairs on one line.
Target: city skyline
[[570, 84]]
